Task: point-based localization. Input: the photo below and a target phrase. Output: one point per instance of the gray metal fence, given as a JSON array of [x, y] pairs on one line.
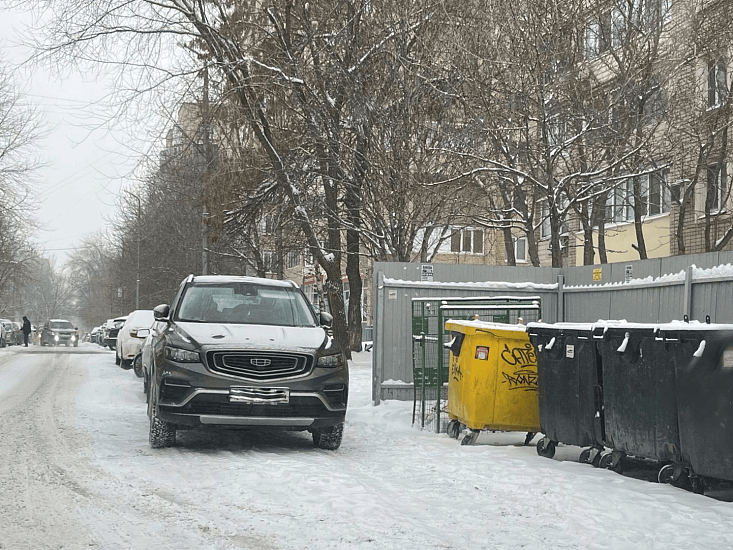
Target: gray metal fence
[[658, 290]]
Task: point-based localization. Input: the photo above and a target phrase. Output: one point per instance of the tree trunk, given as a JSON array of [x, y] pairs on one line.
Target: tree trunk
[[511, 259]]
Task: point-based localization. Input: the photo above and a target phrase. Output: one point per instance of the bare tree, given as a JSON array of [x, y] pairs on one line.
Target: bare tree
[[19, 132]]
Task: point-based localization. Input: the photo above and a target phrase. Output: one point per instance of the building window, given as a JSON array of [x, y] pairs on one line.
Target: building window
[[310, 260], [618, 28], [467, 240], [656, 189], [545, 229], [593, 40], [520, 250], [717, 186], [266, 225], [267, 261], [619, 204], [292, 259], [717, 83], [557, 132]]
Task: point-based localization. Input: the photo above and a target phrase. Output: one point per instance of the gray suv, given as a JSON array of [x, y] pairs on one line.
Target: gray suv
[[244, 352]]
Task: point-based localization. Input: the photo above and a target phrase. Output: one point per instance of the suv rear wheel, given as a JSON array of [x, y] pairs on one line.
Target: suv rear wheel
[[329, 438]]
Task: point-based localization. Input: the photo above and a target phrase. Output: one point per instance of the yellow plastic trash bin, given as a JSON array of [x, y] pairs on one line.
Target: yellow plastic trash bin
[[492, 381]]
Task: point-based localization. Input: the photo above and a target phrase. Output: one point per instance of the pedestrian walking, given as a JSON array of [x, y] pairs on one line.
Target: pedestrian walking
[[26, 330]]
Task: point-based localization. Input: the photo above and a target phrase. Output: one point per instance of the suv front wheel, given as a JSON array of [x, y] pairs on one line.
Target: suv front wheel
[[328, 438], [162, 433]]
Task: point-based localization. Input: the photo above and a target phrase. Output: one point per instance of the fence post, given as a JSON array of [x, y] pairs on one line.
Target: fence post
[[377, 348], [688, 294], [560, 299]]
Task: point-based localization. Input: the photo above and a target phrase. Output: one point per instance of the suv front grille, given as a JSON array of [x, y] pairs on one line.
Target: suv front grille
[[297, 407], [259, 366]]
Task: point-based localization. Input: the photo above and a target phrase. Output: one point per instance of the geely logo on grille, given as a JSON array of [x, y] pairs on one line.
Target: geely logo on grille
[[258, 362]]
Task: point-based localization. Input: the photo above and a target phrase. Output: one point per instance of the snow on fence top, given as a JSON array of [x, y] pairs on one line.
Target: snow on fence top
[[719, 271], [646, 281], [483, 285]]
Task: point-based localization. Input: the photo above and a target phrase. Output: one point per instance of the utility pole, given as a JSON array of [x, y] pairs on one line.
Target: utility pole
[[137, 282], [207, 160]]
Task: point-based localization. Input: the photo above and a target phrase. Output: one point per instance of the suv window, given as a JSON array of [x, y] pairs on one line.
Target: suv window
[[61, 324], [244, 303]]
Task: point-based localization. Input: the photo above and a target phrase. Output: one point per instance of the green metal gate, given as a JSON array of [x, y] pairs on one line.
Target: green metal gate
[[430, 355]]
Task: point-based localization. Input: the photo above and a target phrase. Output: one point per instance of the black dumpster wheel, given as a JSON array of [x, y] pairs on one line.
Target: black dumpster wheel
[[596, 461], [454, 429], [470, 438], [666, 474], [584, 457], [587, 456], [546, 447], [605, 460]]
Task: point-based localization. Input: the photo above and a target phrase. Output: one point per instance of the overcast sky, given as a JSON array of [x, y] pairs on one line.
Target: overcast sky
[[87, 162]]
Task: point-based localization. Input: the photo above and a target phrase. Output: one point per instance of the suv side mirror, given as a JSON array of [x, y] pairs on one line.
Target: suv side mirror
[[326, 319], [161, 312]]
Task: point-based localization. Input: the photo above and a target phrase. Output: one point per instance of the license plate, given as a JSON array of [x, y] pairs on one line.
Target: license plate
[[260, 396]]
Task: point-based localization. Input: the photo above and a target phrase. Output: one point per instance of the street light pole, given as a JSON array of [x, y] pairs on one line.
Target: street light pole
[[137, 282]]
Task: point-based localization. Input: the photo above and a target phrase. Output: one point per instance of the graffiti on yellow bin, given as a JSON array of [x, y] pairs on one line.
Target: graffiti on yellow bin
[[524, 361], [455, 369]]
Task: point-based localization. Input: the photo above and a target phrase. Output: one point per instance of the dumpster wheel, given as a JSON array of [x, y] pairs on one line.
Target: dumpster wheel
[[613, 460], [546, 447], [454, 429], [471, 437], [673, 474], [591, 455]]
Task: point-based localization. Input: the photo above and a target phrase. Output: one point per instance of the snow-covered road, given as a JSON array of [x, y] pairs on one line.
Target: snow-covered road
[[76, 472]]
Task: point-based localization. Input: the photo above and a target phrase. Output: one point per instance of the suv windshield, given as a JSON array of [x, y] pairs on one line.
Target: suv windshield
[[245, 303], [60, 324]]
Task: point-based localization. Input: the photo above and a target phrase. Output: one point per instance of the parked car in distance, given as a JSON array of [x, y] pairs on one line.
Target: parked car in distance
[[18, 333], [100, 335], [128, 341], [244, 352], [111, 330], [9, 336], [4, 332], [59, 331]]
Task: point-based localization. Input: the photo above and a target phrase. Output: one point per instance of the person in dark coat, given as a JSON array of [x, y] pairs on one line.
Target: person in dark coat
[[26, 330]]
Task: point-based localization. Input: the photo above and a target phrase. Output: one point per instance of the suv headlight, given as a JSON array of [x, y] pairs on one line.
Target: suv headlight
[[331, 361], [181, 355]]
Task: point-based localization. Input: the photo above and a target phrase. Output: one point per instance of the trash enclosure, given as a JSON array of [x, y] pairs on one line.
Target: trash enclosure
[[430, 356]]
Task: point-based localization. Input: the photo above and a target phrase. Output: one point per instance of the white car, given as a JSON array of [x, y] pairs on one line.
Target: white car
[[132, 335], [4, 332]]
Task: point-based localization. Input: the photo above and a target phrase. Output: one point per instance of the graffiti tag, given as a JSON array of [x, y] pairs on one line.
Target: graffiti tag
[[455, 370], [524, 358], [520, 355], [522, 379]]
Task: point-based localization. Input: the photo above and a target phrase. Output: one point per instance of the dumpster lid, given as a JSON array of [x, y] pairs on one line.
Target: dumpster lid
[[619, 325], [472, 327], [672, 326]]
